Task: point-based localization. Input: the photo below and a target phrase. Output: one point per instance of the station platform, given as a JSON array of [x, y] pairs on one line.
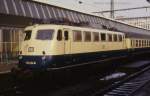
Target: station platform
[[6, 67]]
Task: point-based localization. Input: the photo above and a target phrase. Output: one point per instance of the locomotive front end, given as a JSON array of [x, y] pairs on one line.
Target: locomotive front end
[[37, 48]]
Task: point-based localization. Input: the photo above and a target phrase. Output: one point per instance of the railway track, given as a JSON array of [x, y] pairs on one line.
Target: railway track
[[123, 87], [128, 86]]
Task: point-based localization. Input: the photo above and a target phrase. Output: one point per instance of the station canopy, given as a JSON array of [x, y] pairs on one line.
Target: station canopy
[[45, 13]]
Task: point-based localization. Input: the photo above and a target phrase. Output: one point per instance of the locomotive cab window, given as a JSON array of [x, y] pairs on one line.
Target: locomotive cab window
[[27, 35], [45, 34]]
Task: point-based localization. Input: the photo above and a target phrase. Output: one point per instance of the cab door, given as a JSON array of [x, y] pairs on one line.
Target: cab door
[[67, 41], [67, 47]]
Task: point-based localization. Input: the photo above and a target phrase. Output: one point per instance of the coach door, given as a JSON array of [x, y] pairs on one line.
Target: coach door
[[67, 42]]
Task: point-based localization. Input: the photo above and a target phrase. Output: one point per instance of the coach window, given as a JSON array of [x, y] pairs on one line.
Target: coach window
[[131, 43], [140, 43], [66, 35], [136, 43], [144, 42], [147, 43], [110, 37], [77, 36], [59, 35], [115, 37], [103, 37], [87, 36], [95, 36]]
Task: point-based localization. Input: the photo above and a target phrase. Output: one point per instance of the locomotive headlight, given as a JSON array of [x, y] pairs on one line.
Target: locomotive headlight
[[20, 57], [43, 58], [31, 49]]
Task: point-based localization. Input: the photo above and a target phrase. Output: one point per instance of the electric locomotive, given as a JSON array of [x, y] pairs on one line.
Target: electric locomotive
[[49, 46]]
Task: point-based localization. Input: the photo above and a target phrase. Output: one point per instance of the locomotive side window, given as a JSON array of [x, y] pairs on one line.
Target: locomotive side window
[[87, 36], [110, 37], [115, 37], [120, 38], [95, 36], [59, 35], [103, 37], [66, 35], [45, 34], [77, 35], [28, 35]]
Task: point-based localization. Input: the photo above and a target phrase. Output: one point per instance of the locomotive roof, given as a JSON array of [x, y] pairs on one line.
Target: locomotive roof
[[46, 26]]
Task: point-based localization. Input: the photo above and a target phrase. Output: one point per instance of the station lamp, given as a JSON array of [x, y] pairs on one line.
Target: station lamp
[[80, 2], [148, 1]]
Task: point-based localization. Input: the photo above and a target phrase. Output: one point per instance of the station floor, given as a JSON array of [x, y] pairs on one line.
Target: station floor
[[7, 66]]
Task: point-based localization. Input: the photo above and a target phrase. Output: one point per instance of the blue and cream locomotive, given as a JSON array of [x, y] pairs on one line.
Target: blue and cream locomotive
[[49, 46]]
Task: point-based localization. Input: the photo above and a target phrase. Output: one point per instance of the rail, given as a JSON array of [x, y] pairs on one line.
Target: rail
[[127, 86]]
